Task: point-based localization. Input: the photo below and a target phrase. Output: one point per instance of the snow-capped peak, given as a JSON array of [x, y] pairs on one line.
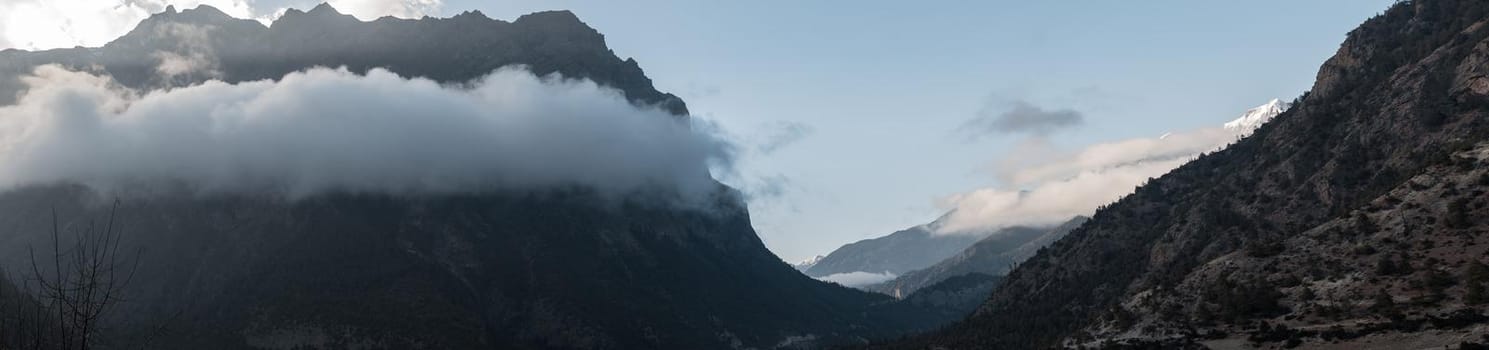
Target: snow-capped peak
[[1255, 117], [807, 264]]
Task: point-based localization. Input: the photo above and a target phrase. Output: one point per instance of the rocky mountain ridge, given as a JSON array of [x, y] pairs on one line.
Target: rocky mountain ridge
[[214, 46], [1405, 92], [896, 253], [994, 255]]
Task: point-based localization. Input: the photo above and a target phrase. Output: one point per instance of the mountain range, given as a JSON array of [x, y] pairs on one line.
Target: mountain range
[[563, 268], [236, 50], [897, 253], [1352, 217], [917, 249], [1352, 220], [993, 255]]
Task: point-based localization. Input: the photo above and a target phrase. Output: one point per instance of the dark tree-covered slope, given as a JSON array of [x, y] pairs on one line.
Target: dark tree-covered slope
[[1406, 89]]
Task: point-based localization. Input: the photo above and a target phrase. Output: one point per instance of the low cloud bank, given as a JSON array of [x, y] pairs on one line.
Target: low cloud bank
[[858, 278], [1053, 189], [327, 130], [1049, 203]]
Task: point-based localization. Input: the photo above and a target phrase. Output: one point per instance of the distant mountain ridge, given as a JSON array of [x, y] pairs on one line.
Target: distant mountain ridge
[[897, 253], [994, 255], [807, 264], [920, 247]]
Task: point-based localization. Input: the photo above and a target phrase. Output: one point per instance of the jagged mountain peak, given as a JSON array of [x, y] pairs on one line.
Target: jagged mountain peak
[[1255, 117], [322, 13], [806, 263], [472, 14], [553, 16], [563, 25], [206, 12], [202, 14], [324, 8]]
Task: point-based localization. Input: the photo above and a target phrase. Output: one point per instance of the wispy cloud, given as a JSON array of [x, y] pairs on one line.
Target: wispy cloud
[[1050, 202], [1043, 186], [1018, 117], [858, 278], [767, 188], [780, 134]]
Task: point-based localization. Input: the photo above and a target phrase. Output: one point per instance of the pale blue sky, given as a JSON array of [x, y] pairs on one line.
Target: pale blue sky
[[884, 84]]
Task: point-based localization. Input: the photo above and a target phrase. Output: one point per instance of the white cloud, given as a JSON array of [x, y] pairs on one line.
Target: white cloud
[[372, 9], [1044, 187], [858, 278], [1051, 202], [1121, 153], [1053, 190], [195, 57], [49, 24], [332, 130]]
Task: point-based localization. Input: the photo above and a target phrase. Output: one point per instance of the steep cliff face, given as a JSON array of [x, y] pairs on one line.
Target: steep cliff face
[[565, 268], [1405, 90]]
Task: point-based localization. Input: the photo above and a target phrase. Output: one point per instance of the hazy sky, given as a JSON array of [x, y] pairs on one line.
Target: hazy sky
[[853, 115]]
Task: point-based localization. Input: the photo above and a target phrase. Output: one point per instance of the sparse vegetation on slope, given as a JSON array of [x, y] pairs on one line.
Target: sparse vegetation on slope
[[1405, 91]]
